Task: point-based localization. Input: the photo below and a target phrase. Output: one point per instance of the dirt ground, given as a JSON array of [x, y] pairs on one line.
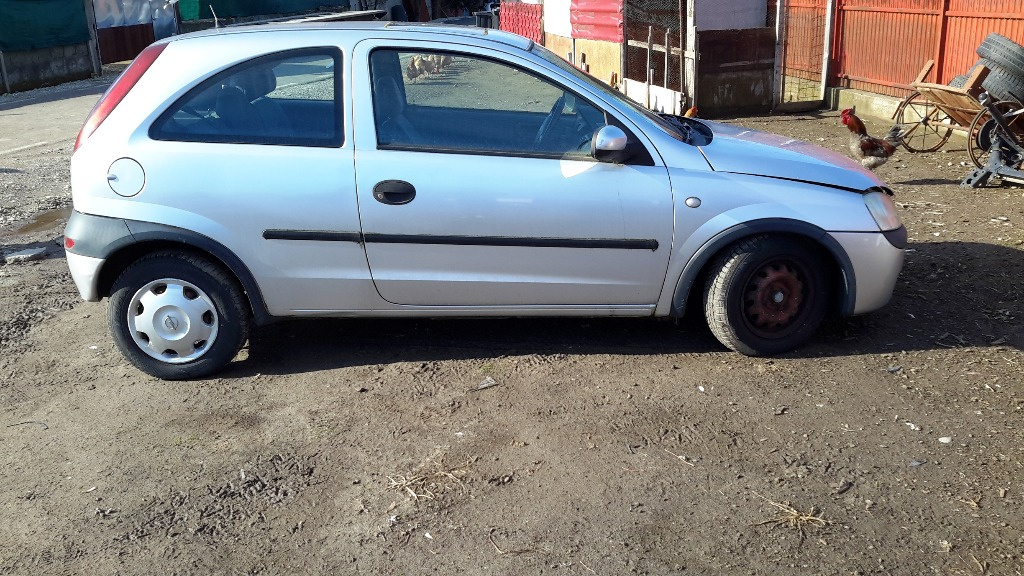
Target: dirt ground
[[891, 444]]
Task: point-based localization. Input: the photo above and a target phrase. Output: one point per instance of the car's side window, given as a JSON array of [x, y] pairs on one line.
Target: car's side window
[[291, 98], [451, 102]]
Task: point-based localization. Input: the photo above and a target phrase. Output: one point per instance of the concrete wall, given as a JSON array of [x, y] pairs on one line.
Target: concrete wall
[[561, 45], [45, 67], [602, 60]]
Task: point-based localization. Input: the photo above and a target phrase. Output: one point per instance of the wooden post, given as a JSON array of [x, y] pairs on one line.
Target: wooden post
[[3, 73], [668, 52], [649, 71], [94, 43], [624, 49], [692, 53], [682, 51]]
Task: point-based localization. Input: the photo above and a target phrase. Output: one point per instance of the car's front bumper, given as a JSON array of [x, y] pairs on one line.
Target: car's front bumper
[[876, 267]]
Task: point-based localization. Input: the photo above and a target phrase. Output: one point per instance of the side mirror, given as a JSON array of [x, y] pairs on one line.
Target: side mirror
[[609, 144]]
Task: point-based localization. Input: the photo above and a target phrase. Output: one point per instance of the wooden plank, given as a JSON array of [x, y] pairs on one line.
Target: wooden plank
[[924, 72], [973, 83], [959, 106]]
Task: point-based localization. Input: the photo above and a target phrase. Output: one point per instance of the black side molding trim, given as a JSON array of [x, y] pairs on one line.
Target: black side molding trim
[[317, 235], [608, 243]]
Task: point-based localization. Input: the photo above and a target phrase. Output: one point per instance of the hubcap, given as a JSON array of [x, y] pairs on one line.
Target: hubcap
[[774, 297], [172, 320]]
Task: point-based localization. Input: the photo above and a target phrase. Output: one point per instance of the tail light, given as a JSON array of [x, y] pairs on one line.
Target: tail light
[[113, 96]]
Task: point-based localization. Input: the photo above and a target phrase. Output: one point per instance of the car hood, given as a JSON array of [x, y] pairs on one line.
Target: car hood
[[743, 151]]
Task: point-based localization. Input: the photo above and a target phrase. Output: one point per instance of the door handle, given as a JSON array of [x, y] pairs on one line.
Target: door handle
[[394, 192]]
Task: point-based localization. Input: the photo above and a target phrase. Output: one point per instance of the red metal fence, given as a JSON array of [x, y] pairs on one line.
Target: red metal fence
[[881, 45], [805, 39], [523, 19]]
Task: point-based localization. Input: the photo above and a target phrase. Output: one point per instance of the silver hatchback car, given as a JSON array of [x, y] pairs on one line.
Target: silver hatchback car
[[237, 176]]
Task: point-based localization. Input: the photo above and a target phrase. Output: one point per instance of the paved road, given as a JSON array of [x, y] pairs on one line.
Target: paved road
[[46, 116]]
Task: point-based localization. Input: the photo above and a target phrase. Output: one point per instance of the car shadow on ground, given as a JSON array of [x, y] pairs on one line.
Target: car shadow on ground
[[313, 345], [950, 295]]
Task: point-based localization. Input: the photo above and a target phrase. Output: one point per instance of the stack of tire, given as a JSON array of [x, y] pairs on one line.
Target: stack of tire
[[1005, 61]]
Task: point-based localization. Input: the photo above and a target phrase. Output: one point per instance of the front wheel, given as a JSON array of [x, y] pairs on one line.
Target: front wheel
[[177, 316], [925, 126], [766, 295]]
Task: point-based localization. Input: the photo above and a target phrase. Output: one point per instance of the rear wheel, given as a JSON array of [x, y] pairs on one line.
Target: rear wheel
[[176, 316], [983, 128], [766, 295]]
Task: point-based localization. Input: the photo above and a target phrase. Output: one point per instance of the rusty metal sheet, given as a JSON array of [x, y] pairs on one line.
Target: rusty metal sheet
[[597, 20], [124, 42]]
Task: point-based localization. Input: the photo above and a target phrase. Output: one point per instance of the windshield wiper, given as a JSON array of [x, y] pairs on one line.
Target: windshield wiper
[[682, 126]]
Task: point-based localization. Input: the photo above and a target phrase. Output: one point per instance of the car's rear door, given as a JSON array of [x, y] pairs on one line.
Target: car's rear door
[[475, 188]]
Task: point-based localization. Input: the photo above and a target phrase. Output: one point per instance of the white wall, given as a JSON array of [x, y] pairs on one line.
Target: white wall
[[729, 14], [556, 18]]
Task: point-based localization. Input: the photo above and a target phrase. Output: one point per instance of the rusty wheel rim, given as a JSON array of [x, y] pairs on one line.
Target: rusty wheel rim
[[774, 298], [982, 130]]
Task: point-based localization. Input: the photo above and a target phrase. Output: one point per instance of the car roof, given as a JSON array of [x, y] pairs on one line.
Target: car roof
[[422, 29]]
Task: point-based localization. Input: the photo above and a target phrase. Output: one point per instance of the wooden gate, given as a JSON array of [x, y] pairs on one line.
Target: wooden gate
[[802, 27]]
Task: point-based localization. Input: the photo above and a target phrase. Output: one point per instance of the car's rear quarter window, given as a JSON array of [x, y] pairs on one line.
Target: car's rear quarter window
[[288, 98]]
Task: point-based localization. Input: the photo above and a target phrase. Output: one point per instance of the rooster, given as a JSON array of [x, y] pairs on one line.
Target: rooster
[[691, 112], [872, 152]]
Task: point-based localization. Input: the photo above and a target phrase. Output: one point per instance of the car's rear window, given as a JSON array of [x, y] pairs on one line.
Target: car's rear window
[[289, 98]]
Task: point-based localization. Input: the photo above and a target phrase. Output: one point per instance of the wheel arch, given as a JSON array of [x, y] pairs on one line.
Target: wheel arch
[[696, 269], [148, 238]]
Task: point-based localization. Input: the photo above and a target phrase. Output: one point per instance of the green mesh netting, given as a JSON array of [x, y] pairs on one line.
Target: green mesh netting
[[200, 9], [34, 24], [189, 9]]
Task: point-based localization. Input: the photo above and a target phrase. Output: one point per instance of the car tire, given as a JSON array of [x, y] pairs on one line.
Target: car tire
[[177, 316], [766, 295], [1003, 52], [1001, 83]]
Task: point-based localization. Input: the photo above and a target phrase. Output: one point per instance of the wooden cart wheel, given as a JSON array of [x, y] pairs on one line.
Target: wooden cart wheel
[[925, 126], [983, 127]]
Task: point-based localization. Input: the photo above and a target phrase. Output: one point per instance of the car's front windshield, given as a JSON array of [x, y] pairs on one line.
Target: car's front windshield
[[606, 90]]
